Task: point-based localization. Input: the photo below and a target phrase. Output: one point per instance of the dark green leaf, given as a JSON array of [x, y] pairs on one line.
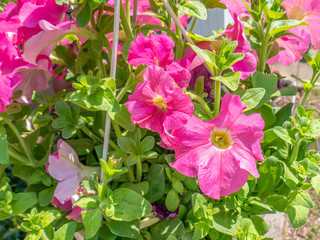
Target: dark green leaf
[[156, 182], [165, 228], [92, 222], [4, 157], [266, 81], [125, 229]]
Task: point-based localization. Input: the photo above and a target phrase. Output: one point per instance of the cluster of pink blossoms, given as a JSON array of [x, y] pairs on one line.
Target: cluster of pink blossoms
[[221, 152], [19, 23]]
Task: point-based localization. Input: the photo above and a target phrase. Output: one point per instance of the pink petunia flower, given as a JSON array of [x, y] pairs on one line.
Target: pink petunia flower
[[157, 50], [65, 167], [307, 11], [157, 104], [221, 152], [292, 48]]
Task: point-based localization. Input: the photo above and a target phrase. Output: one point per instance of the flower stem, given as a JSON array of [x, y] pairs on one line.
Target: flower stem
[[19, 157], [295, 151], [91, 134], [135, 12], [130, 172], [21, 140], [264, 48], [125, 24], [202, 102], [217, 94], [139, 170]]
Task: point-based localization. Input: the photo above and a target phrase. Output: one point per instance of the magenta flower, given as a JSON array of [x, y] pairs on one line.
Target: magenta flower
[[309, 12], [157, 104], [237, 8], [64, 166], [221, 152], [157, 50]]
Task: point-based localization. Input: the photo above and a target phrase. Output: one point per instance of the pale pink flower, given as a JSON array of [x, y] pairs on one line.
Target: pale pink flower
[[307, 11], [65, 167], [221, 152], [157, 104], [157, 50]]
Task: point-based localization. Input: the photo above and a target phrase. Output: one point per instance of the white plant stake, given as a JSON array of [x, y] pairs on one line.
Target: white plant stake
[[112, 74]]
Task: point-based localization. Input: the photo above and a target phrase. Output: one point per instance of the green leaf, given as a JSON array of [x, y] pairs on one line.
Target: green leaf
[[48, 217], [141, 188], [165, 228], [213, 4], [287, 91], [315, 181], [177, 185], [129, 205], [122, 118], [4, 157], [82, 146], [45, 196], [278, 202], [231, 80], [66, 232], [125, 229], [156, 182], [251, 97], [198, 201], [283, 134], [224, 222], [84, 16], [289, 178], [92, 222], [284, 25], [147, 144], [90, 202], [205, 55], [201, 229], [283, 114], [22, 202], [260, 225], [128, 145], [266, 81], [298, 215], [193, 8], [172, 200], [270, 172], [304, 199]]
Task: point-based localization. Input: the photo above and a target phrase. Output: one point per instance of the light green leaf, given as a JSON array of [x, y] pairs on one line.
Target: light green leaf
[[266, 81], [287, 91], [122, 118], [92, 222], [125, 229], [231, 80], [163, 229], [156, 182], [251, 97], [193, 8], [129, 205], [172, 200], [298, 215], [315, 181], [66, 232], [304, 199], [284, 25]]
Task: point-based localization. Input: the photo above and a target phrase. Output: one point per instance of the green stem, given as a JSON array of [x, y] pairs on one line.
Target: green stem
[[21, 140], [305, 97], [295, 151], [202, 102], [19, 157], [264, 48], [125, 24], [94, 137], [101, 67], [139, 170], [135, 12], [117, 129], [217, 94], [112, 144], [193, 24], [130, 172], [128, 13]]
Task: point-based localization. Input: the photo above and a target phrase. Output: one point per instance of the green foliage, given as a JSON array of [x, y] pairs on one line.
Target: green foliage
[[193, 8], [69, 119]]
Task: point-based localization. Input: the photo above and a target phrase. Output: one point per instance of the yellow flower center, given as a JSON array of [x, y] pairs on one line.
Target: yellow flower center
[[297, 13], [159, 102], [221, 138]]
